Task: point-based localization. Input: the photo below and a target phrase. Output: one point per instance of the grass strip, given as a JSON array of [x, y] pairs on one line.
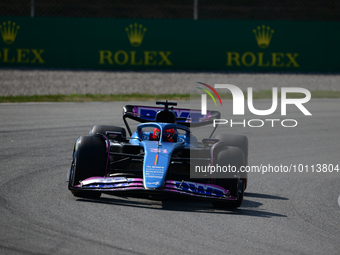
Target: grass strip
[[265, 94]]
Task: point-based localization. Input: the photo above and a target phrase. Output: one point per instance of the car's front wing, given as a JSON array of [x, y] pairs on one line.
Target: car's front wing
[[113, 184]]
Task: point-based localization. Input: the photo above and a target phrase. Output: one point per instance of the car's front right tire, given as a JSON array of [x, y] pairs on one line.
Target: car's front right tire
[[89, 160]]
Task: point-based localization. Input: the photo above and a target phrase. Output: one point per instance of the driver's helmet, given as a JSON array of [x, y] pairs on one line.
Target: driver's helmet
[[168, 134]]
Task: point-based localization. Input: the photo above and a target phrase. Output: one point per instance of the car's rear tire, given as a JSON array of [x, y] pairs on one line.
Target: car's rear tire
[[239, 141], [233, 156], [90, 158], [102, 129]]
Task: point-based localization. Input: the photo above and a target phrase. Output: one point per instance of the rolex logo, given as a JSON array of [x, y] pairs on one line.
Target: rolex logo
[[9, 32], [263, 36], [135, 33]]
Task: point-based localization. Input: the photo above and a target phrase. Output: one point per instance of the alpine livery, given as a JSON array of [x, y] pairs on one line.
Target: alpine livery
[[159, 158]]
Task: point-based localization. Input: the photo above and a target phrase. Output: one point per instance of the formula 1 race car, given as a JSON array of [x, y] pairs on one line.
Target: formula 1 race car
[[160, 158]]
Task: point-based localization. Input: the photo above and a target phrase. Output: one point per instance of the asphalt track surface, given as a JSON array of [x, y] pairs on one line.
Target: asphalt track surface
[[282, 213]]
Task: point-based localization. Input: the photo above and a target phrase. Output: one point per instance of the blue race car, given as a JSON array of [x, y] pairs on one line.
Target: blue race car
[[160, 158]]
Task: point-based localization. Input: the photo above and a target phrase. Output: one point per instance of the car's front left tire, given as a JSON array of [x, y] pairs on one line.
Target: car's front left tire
[[232, 158]]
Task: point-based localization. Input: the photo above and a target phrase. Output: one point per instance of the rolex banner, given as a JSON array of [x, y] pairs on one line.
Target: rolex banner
[[141, 44]]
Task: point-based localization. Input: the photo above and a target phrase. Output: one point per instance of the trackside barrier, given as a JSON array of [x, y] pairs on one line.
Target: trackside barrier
[[146, 44]]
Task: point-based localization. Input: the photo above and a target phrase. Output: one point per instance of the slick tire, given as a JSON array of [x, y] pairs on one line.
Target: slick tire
[[102, 129], [89, 160], [233, 156], [239, 141]]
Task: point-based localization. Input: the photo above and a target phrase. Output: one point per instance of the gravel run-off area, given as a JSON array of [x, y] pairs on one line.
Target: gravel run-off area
[[15, 82]]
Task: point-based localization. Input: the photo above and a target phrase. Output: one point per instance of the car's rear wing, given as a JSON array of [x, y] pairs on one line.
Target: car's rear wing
[[185, 117]]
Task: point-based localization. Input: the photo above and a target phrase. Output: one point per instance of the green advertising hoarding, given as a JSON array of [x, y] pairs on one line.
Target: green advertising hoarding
[[151, 44]]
